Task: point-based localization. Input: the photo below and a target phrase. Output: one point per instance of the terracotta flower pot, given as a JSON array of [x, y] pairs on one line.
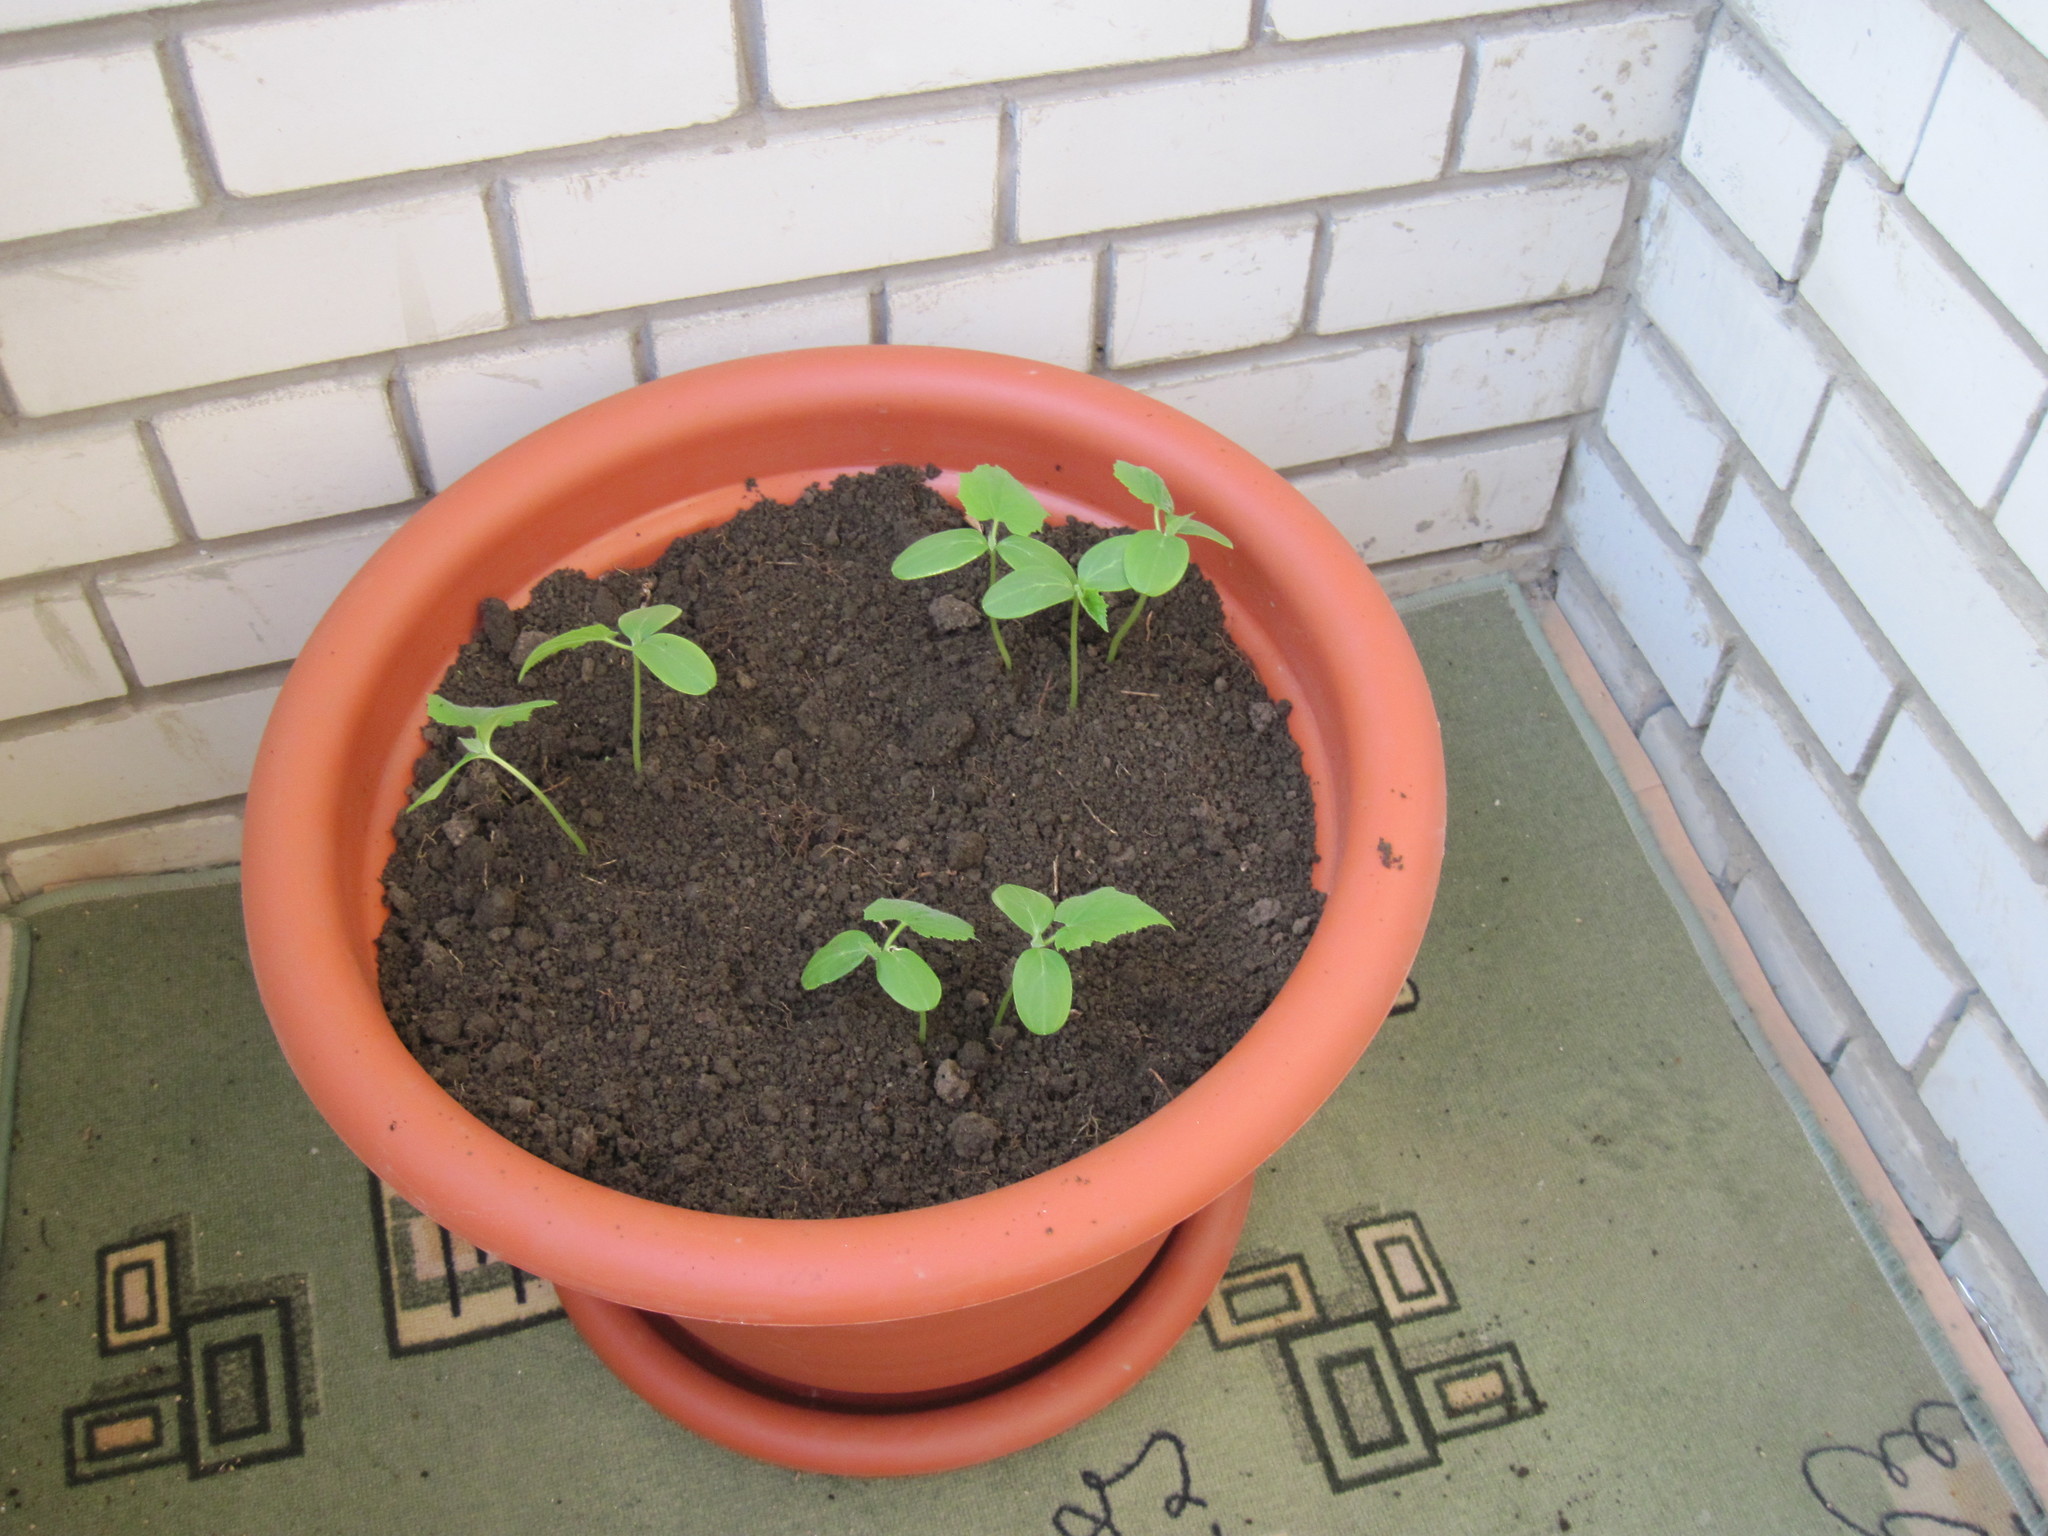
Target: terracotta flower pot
[[985, 1323]]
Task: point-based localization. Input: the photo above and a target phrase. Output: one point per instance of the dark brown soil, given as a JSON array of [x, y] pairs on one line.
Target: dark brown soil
[[636, 1016]]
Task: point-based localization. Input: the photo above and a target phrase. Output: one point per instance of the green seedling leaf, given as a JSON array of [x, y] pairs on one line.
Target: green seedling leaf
[[1102, 566], [1027, 554], [918, 918], [937, 553], [484, 722], [1096, 609], [839, 954], [1101, 915], [639, 623], [680, 663], [1145, 485], [991, 494], [1027, 908], [905, 977], [568, 640], [1200, 530], [1025, 592], [1155, 562], [1043, 985]]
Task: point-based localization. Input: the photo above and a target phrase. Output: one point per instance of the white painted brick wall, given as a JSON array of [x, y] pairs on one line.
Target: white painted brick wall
[[1455, 252], [1935, 599], [1874, 64], [1301, 410], [1983, 140], [1983, 1098], [1571, 92], [793, 206], [202, 615], [1425, 502], [1043, 309], [1512, 371], [1940, 357], [132, 762], [1279, 133], [90, 141], [1796, 624], [1327, 18], [285, 456], [246, 301], [1652, 588], [1759, 152], [470, 407], [1983, 882], [1213, 291], [68, 498], [1663, 432], [55, 654], [822, 51], [305, 100], [2023, 512], [840, 318], [1749, 355], [1897, 972], [189, 842], [2029, 18]]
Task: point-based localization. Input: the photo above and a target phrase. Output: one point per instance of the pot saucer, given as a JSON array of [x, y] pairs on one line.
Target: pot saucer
[[645, 1352]]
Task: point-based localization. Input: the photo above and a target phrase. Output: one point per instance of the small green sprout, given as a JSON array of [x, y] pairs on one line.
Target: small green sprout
[[1041, 981], [680, 663], [994, 500], [1152, 560], [483, 724], [1040, 577], [902, 972]]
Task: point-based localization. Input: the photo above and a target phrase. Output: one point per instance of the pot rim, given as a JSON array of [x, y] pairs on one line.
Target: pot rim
[[323, 796]]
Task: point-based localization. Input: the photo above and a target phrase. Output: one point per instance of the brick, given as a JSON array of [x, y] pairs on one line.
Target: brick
[[1525, 369], [1326, 18], [470, 407], [1663, 433], [1939, 356], [1929, 581], [91, 141], [191, 842], [21, 15], [1251, 138], [1653, 589], [2023, 513], [1452, 253], [1741, 345], [1797, 625], [2006, 1299], [1979, 1091], [1815, 844], [1577, 91], [1986, 885], [1798, 969], [312, 99], [798, 205], [69, 498], [1702, 809], [1301, 410], [1216, 291], [820, 51], [224, 612], [2029, 18], [231, 304], [1044, 310], [1430, 501], [840, 318], [1983, 140], [1633, 686], [1922, 1165], [1874, 65], [1759, 153], [55, 654], [286, 456], [132, 761]]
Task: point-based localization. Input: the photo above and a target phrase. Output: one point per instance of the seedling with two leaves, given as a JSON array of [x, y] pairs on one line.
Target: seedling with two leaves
[[679, 663], [903, 973], [483, 724], [1041, 982], [1040, 577], [1151, 561], [994, 501]]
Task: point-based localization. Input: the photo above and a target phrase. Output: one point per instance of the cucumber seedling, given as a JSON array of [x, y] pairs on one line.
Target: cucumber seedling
[[903, 973], [483, 724], [1152, 560], [1041, 982], [994, 501], [679, 663], [1040, 577]]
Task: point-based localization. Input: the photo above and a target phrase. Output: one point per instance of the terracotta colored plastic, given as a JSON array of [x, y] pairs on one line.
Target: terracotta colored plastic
[[609, 486]]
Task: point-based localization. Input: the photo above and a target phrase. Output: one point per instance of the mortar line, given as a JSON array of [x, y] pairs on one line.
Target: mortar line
[[201, 159], [1009, 156], [750, 50], [110, 632], [505, 254]]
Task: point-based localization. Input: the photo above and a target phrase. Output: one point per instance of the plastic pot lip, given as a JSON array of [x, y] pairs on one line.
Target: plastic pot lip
[[307, 856]]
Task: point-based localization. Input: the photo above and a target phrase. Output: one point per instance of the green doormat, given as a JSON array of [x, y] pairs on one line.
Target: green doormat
[[1557, 1258]]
